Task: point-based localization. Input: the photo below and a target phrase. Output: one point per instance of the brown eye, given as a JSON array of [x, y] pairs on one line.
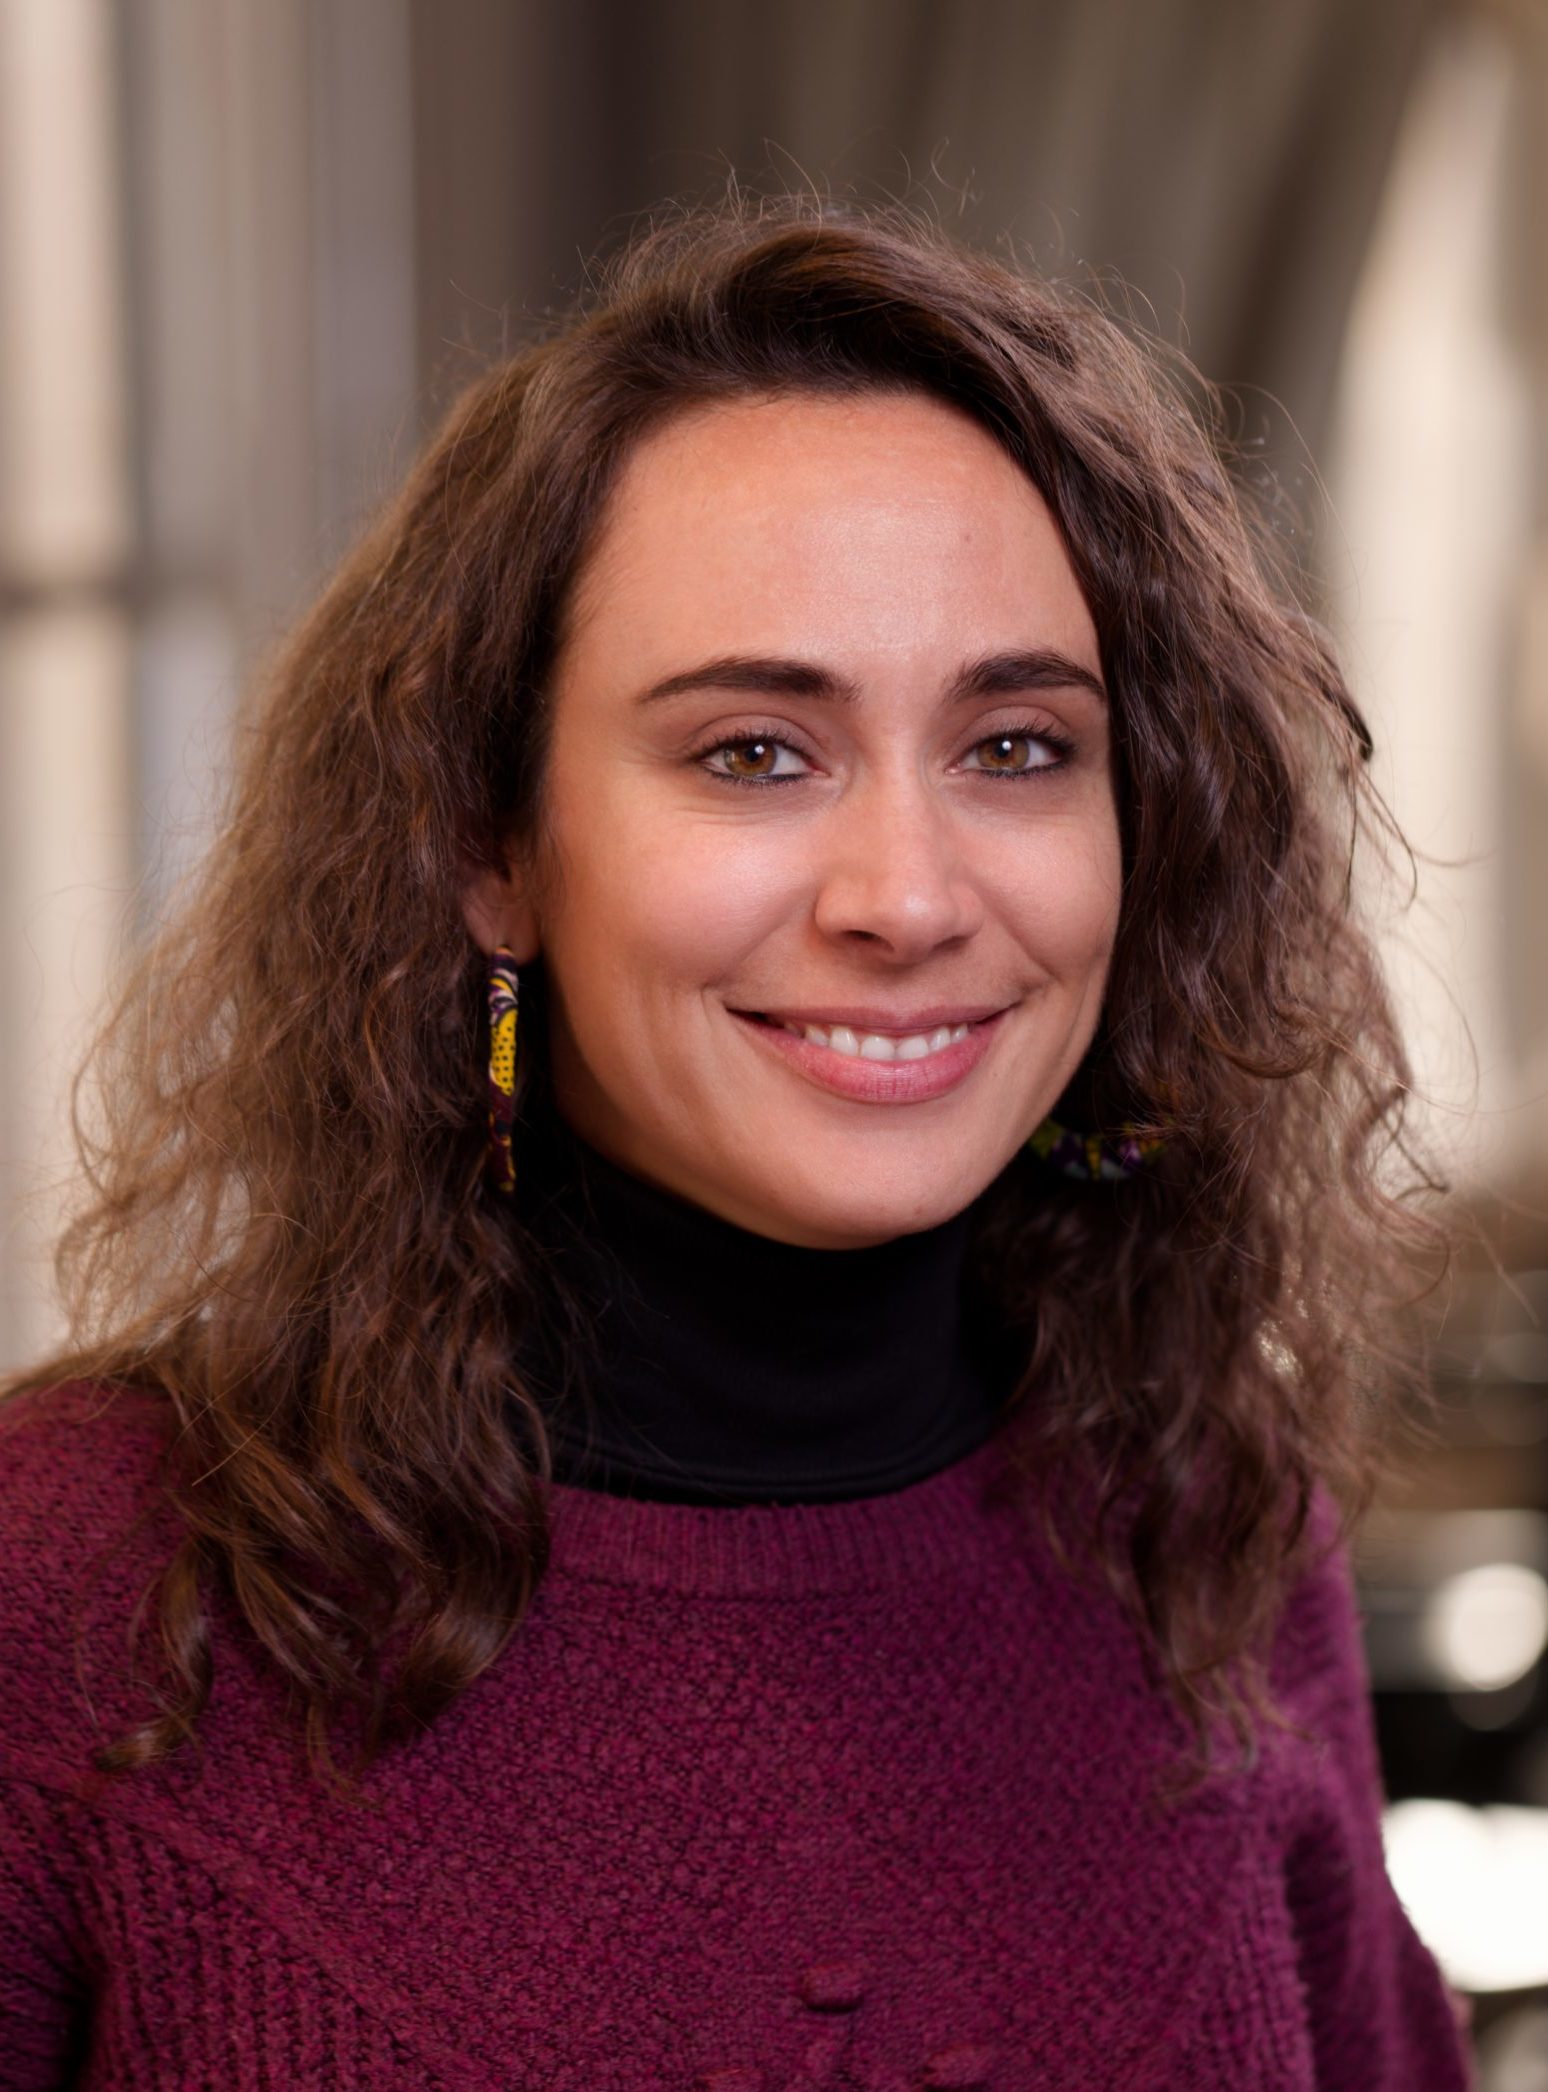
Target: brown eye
[[753, 759], [761, 754], [1004, 749], [1011, 754]]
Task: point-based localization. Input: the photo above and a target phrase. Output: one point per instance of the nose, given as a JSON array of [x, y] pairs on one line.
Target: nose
[[893, 871]]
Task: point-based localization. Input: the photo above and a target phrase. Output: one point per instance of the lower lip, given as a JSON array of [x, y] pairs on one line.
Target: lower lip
[[878, 1082]]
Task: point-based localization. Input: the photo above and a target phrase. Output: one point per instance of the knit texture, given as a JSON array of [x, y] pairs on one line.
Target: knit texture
[[757, 1799]]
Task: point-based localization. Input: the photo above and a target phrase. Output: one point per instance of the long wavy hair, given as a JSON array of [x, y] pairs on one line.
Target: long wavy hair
[[286, 1234]]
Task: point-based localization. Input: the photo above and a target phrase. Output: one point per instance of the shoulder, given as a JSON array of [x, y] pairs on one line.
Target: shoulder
[[1319, 1678], [1319, 1652], [45, 1424], [84, 1525], [1329, 1785], [80, 1463]]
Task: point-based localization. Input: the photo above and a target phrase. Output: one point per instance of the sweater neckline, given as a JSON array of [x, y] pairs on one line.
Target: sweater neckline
[[928, 1528]]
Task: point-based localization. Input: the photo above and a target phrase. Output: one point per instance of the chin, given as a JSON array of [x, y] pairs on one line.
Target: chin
[[841, 1214]]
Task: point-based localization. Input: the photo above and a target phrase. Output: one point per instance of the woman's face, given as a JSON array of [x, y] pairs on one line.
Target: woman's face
[[829, 750]]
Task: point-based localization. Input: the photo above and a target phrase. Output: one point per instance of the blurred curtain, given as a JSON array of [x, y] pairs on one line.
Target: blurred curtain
[[1525, 318], [1437, 492], [1224, 157]]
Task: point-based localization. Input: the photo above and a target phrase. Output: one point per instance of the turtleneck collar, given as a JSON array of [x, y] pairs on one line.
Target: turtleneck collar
[[720, 1366]]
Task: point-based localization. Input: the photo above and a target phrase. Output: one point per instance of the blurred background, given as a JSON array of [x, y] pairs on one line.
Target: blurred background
[[249, 249]]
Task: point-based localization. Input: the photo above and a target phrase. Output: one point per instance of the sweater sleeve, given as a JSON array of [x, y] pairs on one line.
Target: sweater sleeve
[[44, 1988], [1381, 2016]]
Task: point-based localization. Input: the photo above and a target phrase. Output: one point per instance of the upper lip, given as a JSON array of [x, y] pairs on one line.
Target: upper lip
[[901, 1021]]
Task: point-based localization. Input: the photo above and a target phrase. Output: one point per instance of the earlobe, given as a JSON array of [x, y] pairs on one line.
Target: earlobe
[[497, 912]]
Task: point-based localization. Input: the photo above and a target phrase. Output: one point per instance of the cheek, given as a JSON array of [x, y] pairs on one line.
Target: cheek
[[1064, 894], [1104, 897], [661, 902]]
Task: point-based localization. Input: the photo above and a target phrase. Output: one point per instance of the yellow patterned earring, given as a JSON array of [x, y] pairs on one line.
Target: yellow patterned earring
[[502, 1067]]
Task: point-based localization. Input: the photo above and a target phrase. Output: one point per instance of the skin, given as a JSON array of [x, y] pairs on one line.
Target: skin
[[891, 540]]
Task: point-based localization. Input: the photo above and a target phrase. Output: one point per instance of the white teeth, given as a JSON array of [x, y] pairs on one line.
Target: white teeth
[[878, 1046]]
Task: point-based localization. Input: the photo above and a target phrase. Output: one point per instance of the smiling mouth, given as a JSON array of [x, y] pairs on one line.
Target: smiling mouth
[[878, 1068], [856, 1044]]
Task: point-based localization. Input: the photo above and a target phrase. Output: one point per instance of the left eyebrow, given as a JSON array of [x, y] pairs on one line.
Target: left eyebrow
[[993, 675]]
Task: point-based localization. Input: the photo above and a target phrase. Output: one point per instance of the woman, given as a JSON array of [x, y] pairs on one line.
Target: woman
[[818, 1520]]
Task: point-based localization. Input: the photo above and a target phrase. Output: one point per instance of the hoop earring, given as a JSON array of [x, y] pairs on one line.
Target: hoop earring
[[503, 988], [1093, 1156]]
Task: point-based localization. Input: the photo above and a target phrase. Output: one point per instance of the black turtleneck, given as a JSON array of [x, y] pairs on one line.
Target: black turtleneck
[[720, 1366]]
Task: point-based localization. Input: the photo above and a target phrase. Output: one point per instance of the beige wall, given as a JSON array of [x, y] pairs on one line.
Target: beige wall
[[1434, 478], [66, 549]]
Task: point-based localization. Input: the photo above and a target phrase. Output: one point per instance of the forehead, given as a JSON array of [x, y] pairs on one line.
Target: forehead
[[870, 520]]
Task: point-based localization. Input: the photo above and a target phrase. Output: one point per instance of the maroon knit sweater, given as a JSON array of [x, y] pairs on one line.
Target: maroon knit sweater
[[850, 1794]]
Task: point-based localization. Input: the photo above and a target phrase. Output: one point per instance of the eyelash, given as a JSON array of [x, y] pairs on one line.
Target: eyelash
[[1062, 746]]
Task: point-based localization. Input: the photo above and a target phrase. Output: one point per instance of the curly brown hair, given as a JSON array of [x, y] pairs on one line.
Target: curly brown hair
[[287, 1236]]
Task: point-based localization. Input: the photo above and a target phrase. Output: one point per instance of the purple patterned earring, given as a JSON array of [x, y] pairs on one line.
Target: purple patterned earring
[[501, 1158], [1093, 1156]]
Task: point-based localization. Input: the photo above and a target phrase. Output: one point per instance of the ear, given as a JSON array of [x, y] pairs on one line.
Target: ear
[[497, 910]]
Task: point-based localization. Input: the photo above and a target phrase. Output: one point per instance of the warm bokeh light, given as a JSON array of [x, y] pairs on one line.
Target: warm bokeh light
[[1487, 1627], [1475, 1883]]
